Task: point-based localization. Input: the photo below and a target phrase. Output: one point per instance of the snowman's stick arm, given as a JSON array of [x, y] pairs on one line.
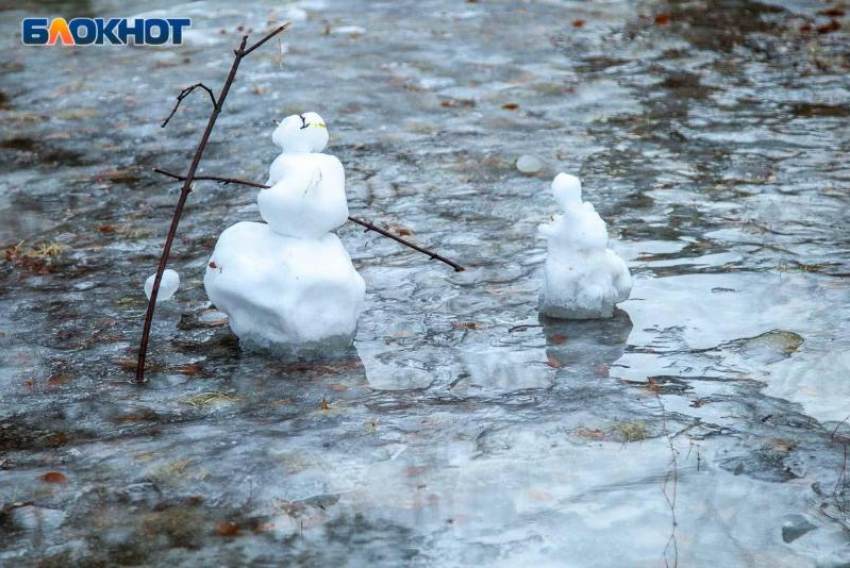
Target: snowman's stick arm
[[369, 226], [239, 54], [223, 180]]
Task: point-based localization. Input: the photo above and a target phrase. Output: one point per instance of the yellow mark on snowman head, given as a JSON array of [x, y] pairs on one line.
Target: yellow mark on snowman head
[[306, 124]]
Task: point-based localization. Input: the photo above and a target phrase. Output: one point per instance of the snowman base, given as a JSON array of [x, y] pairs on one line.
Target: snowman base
[[583, 284], [328, 349], [571, 292], [575, 312], [294, 297]]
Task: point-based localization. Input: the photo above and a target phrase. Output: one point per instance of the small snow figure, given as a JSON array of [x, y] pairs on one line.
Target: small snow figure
[[584, 279], [288, 284], [167, 286]]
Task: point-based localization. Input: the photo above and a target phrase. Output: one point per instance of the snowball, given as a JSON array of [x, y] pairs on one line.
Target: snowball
[[283, 292], [169, 284], [301, 133], [583, 279], [350, 30], [529, 164], [307, 197]]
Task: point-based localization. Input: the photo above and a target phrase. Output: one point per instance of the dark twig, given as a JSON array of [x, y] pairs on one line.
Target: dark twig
[[223, 180], [185, 93], [184, 194], [523, 327], [245, 52], [369, 226]]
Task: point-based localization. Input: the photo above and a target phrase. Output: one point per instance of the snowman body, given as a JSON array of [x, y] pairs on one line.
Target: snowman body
[[307, 195], [583, 278], [288, 284]]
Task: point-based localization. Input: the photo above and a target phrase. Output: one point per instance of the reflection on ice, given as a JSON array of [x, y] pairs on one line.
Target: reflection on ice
[[586, 348]]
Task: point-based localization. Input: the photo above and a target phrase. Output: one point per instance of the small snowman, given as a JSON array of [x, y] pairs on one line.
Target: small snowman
[[583, 278], [288, 284]]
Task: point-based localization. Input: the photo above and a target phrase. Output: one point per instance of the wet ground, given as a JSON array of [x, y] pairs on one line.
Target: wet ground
[[702, 426]]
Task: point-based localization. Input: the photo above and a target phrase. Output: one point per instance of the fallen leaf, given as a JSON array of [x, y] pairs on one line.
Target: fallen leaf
[[185, 369], [554, 363], [454, 103], [206, 399], [464, 325], [58, 379], [662, 19], [77, 114], [578, 23], [58, 439], [130, 174], [54, 477], [595, 434], [832, 26], [510, 106], [400, 231], [558, 339], [781, 445], [325, 405], [126, 363], [226, 528]]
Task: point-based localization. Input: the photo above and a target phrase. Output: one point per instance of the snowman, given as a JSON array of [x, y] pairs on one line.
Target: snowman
[[583, 278], [288, 284]]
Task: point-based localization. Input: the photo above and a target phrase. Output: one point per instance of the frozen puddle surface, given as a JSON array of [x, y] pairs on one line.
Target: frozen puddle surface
[[461, 430]]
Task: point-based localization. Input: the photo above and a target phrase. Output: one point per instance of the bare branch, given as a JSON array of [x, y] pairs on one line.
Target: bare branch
[[223, 180], [369, 226], [264, 40], [184, 194], [185, 93]]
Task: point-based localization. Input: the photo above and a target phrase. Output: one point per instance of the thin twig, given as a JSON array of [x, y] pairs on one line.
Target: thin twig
[[223, 180], [523, 327], [184, 194], [672, 543], [369, 226], [841, 482], [245, 52], [185, 93]]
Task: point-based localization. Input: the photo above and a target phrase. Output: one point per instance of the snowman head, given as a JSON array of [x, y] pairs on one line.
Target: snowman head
[[299, 133], [567, 190]]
